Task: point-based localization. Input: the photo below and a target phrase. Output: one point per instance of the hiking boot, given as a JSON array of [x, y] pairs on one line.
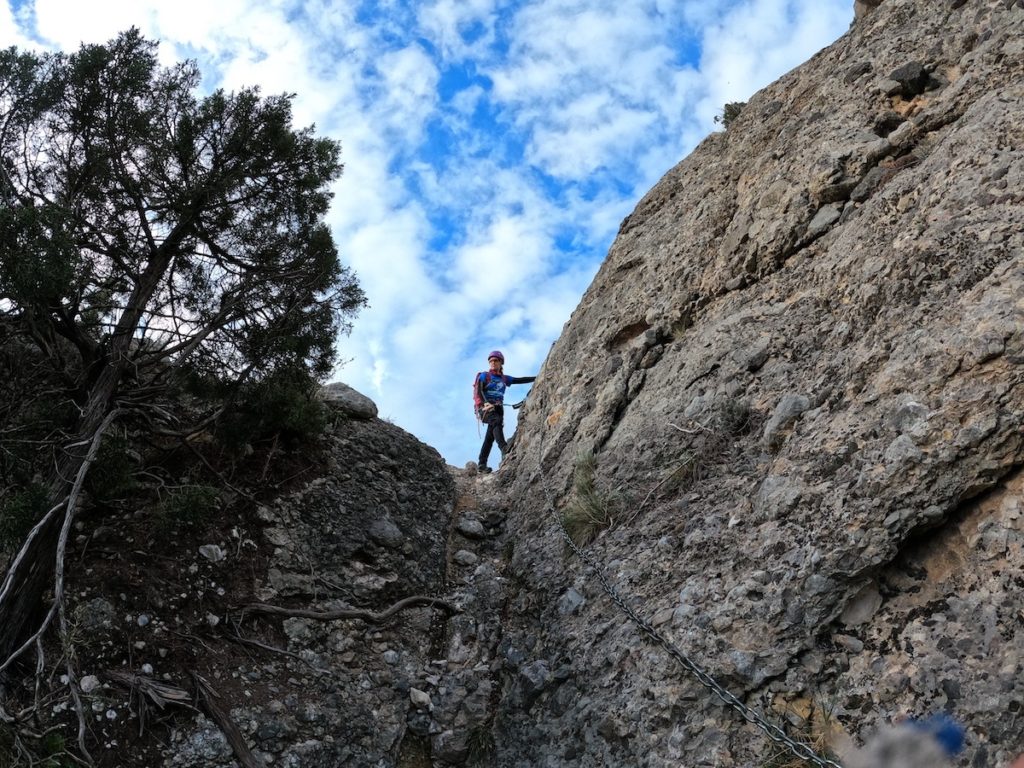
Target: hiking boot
[[483, 469]]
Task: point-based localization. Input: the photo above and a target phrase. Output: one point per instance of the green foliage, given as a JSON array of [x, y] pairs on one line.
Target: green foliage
[[730, 112], [150, 231], [282, 405], [188, 507], [112, 475], [117, 168], [590, 509], [48, 751], [19, 511]]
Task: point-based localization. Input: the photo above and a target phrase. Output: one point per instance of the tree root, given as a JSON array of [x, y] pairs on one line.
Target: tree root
[[347, 613], [210, 700]]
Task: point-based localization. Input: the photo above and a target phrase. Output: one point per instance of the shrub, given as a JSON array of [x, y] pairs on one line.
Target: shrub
[[590, 509], [112, 475], [19, 512], [480, 746], [188, 507], [809, 722], [729, 113], [284, 404]]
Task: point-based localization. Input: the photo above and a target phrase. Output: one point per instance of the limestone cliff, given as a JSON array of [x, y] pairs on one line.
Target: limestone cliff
[[800, 370]]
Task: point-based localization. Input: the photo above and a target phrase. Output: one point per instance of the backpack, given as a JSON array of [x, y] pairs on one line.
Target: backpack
[[478, 402]]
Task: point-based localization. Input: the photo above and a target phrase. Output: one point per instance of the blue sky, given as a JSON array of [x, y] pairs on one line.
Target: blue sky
[[491, 148]]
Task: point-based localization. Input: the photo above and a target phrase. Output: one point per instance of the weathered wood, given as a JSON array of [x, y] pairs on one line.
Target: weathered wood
[[348, 613]]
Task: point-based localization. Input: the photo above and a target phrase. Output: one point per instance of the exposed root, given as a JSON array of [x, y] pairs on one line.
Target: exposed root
[[347, 613], [210, 700]]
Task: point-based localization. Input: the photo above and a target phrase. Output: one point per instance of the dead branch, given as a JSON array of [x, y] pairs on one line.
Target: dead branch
[[348, 613], [210, 700], [62, 541], [161, 694], [79, 709], [700, 428]]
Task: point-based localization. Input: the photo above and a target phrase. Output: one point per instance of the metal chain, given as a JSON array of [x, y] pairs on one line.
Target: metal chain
[[774, 732]]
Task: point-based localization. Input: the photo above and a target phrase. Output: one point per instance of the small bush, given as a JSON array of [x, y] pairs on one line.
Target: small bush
[[188, 507], [19, 512], [112, 474], [729, 113], [590, 509], [735, 418], [283, 405], [22, 750], [808, 722]]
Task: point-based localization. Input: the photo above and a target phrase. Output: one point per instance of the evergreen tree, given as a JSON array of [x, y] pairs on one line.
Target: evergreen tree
[[146, 232]]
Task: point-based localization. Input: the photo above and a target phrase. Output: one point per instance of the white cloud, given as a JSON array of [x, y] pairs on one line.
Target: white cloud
[[11, 29], [459, 28], [474, 219]]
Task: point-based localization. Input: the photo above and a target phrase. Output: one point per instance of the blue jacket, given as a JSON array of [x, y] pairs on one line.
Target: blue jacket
[[492, 386]]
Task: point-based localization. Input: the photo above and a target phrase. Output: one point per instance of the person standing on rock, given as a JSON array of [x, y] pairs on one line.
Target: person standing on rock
[[490, 396]]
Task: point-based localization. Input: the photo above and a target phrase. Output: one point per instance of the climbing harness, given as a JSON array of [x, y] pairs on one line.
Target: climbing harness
[[514, 406], [776, 734]]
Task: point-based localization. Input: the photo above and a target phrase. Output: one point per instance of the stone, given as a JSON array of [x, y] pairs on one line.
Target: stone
[[902, 451], [862, 607], [386, 533], [470, 528], [451, 746], [89, 683], [420, 698], [534, 678], [862, 8], [570, 602], [789, 408], [465, 558], [212, 552], [912, 77], [348, 401], [823, 220]]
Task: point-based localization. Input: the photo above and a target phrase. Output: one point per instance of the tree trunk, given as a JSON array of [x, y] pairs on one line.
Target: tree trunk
[[22, 605]]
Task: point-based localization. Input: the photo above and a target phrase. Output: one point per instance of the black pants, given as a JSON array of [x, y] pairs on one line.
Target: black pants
[[494, 420]]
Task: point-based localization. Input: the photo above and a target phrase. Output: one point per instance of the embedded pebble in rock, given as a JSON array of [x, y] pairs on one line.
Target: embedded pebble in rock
[[470, 528], [466, 558], [419, 698]]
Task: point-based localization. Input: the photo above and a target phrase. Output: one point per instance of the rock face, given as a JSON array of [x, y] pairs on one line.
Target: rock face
[[801, 371], [383, 521], [371, 530]]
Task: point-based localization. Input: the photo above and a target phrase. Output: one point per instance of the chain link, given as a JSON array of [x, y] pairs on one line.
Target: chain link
[[773, 732]]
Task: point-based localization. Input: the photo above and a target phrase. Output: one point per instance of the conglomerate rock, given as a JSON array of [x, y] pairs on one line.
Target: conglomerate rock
[[799, 369], [800, 373]]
